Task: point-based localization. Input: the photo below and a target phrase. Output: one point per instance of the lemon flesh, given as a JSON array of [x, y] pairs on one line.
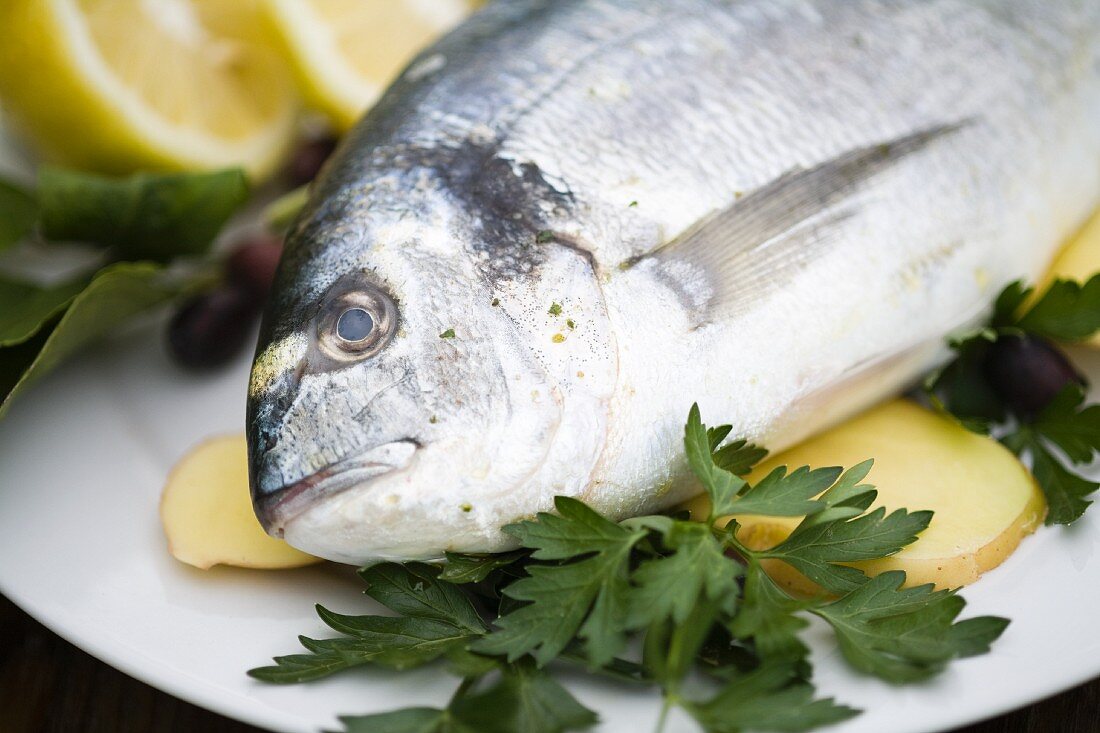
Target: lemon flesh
[[346, 52], [123, 85]]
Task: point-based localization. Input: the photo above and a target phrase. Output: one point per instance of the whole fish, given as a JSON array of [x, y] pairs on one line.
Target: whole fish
[[569, 219]]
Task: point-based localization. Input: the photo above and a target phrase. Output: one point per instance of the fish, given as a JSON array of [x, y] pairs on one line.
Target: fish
[[568, 220]]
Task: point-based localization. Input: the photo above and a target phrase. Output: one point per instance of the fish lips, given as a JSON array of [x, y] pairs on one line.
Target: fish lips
[[278, 508]]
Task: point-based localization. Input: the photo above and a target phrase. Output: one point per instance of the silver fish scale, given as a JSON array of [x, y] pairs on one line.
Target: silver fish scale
[[777, 208]]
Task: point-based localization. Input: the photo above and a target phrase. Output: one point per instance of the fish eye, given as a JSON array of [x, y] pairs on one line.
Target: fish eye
[[354, 324], [356, 321]]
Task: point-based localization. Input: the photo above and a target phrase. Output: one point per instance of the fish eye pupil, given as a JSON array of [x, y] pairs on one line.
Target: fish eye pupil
[[354, 324]]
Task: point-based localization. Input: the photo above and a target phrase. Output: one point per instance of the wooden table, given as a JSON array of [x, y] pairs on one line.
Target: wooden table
[[49, 686]]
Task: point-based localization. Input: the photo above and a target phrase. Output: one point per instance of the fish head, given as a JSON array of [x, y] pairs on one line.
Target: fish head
[[403, 404]]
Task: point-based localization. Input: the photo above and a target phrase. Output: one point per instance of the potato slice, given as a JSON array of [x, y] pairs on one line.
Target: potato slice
[[207, 515], [985, 501], [1079, 260]]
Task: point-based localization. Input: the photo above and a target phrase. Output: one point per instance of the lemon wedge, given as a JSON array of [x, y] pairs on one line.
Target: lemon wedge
[[346, 52], [122, 85]]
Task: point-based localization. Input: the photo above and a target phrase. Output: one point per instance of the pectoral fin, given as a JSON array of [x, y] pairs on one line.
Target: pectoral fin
[[784, 224]]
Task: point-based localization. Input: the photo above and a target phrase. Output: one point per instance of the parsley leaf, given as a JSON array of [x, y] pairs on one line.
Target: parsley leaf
[[904, 635], [585, 597], [843, 533], [407, 720], [722, 486], [462, 569], [670, 586], [1067, 311], [770, 698], [781, 495], [581, 586], [523, 700], [739, 456], [436, 619], [768, 617], [1074, 429]]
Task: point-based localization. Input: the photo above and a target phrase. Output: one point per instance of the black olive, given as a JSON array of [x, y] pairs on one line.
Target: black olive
[[307, 158], [211, 328], [1027, 372], [251, 264]]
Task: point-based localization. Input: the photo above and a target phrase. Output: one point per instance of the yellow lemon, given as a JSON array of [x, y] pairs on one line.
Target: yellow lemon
[[346, 52], [122, 85]]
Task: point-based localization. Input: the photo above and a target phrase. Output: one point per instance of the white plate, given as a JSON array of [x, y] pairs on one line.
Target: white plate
[[82, 461]]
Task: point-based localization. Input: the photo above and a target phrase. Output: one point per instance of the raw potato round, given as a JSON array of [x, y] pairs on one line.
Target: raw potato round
[[985, 501], [207, 514]]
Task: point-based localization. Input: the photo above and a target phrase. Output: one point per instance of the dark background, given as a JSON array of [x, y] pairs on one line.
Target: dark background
[[47, 685]]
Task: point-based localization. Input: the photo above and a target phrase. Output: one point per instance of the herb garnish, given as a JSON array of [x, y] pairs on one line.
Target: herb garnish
[[141, 222], [1063, 432], [688, 595]]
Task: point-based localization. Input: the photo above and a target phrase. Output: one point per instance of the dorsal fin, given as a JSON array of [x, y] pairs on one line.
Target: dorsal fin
[[785, 222]]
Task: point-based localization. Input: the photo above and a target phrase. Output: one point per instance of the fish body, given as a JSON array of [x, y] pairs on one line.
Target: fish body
[[570, 219]]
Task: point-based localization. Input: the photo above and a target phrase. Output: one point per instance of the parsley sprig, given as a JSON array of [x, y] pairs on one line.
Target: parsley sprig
[[680, 605], [1060, 436]]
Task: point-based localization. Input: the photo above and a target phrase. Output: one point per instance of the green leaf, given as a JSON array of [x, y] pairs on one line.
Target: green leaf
[[671, 650], [406, 720], [1073, 429], [904, 635], [781, 495], [815, 549], [1008, 304], [153, 216], [771, 698], [26, 308], [115, 294], [436, 619], [18, 213], [1065, 491], [523, 700], [476, 568], [413, 589], [739, 456], [961, 389], [767, 616], [584, 597], [281, 213], [1067, 311], [670, 586], [721, 485]]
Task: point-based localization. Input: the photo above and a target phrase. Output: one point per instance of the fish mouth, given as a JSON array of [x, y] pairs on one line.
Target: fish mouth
[[279, 508]]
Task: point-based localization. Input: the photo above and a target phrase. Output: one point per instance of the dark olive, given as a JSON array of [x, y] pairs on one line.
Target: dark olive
[[307, 158], [251, 264], [1027, 372], [211, 328]]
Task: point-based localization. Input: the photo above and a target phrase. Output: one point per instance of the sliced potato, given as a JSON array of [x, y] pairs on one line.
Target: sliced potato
[[207, 514], [985, 501]]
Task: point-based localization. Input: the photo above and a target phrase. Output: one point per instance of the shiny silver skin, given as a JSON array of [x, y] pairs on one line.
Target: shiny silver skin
[[776, 208]]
